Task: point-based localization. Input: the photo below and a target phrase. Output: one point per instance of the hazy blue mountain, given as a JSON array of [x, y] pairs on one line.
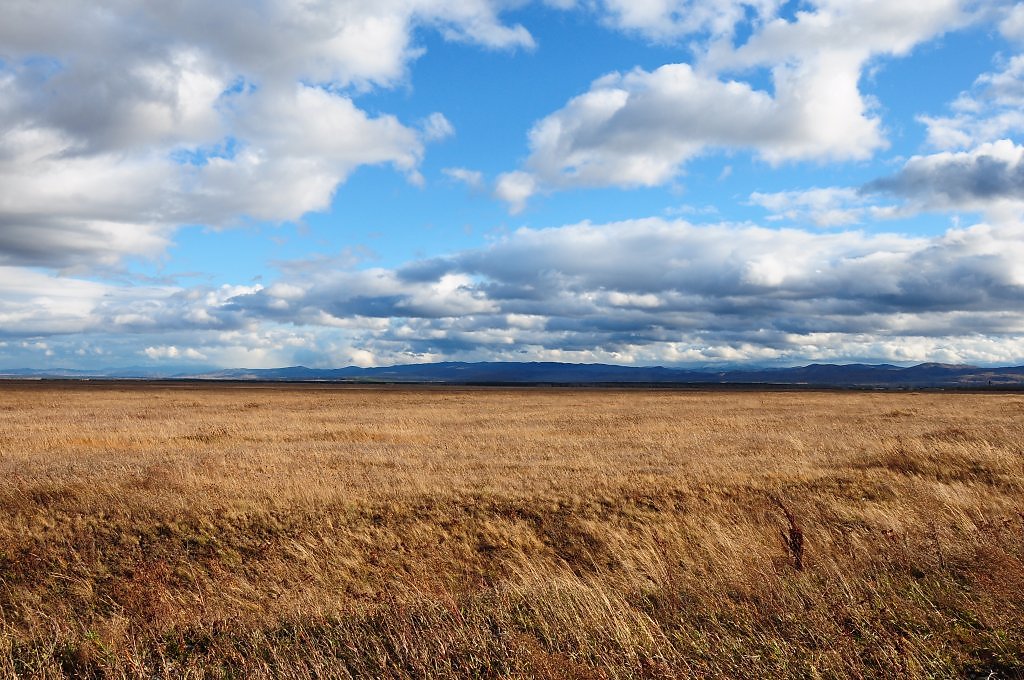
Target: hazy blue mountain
[[505, 372], [851, 375]]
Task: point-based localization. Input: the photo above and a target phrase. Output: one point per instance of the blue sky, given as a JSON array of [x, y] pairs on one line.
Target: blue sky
[[676, 182]]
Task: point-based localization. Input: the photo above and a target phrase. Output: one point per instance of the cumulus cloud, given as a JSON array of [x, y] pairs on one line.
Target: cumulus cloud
[[123, 120], [1012, 24], [515, 188], [295, 147], [672, 291], [641, 291], [989, 178], [291, 148], [858, 28], [640, 128], [991, 110], [35, 303], [173, 352], [362, 43]]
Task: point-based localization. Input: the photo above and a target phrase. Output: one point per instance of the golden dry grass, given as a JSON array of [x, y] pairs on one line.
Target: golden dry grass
[[218, 531]]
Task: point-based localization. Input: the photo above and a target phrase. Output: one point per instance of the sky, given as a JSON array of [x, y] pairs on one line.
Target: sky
[[265, 183]]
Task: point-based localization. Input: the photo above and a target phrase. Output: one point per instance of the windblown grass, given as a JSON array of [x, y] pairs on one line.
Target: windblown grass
[[218, 531]]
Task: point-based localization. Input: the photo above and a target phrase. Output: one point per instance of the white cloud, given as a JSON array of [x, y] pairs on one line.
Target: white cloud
[[123, 120], [515, 188], [436, 127], [296, 146], [857, 29], [641, 127], [286, 291], [474, 179], [1012, 25], [173, 352], [292, 149], [988, 179], [990, 111], [824, 207], [33, 303], [651, 289], [648, 291], [667, 19], [344, 43]]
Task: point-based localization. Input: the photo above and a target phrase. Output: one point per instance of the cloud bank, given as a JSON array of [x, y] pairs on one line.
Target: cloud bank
[[989, 179], [638, 291]]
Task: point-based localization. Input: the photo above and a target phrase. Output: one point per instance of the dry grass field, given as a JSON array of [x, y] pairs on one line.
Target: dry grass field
[[300, 532]]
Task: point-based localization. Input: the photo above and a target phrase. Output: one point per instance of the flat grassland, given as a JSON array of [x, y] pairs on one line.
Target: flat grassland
[[314, 531]]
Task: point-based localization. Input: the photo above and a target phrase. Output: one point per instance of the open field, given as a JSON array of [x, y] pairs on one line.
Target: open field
[[214, 531]]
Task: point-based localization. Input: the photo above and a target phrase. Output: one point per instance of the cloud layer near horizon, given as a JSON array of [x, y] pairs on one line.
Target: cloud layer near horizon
[[645, 290]]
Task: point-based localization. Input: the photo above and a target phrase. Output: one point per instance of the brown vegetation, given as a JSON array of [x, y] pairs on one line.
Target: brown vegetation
[[220, 531]]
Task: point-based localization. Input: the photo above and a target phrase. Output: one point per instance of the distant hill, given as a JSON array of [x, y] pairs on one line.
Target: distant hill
[[831, 375], [504, 372]]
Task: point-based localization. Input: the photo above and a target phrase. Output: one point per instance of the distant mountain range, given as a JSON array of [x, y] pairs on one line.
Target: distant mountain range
[[532, 373]]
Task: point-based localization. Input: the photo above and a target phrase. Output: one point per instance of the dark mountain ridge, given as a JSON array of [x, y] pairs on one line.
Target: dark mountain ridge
[[506, 372]]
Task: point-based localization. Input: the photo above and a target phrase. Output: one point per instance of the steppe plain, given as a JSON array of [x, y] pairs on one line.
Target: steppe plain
[[314, 531]]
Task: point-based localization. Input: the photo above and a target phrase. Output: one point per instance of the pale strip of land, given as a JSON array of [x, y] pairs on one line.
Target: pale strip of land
[[209, 531]]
